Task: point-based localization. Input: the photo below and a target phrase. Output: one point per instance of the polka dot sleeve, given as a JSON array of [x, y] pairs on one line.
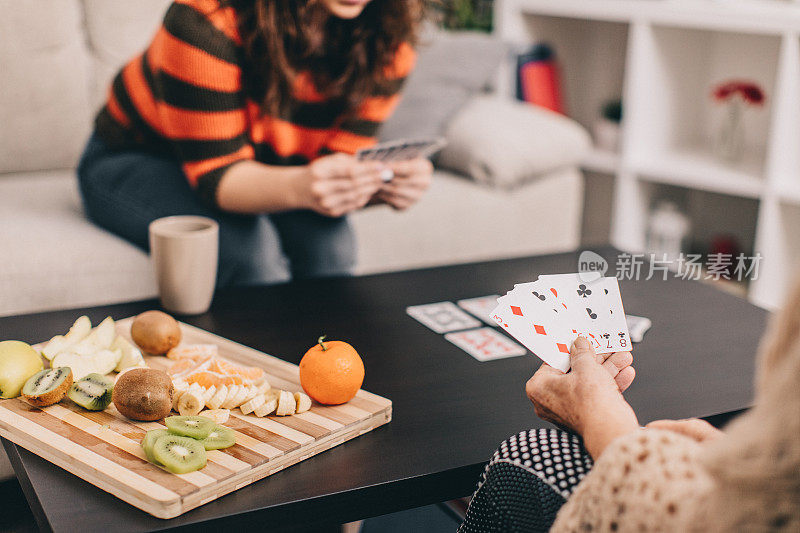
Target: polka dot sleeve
[[648, 480]]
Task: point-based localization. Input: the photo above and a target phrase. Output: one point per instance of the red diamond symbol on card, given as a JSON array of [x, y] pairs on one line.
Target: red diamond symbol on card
[[516, 310], [539, 329], [562, 347]]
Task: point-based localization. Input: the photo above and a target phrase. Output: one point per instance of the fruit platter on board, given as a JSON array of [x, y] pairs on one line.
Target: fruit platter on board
[[167, 416]]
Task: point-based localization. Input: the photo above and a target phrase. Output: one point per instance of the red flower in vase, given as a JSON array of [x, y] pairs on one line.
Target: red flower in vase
[[749, 91]]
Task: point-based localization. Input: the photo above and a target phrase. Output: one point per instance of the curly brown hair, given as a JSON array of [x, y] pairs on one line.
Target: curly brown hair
[[347, 59]]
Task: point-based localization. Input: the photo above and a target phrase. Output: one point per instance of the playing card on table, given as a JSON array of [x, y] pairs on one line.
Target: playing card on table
[[481, 307], [485, 344], [442, 317]]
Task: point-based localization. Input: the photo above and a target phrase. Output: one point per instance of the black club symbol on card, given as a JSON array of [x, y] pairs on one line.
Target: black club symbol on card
[[621, 335], [606, 336], [540, 296], [583, 292], [591, 314]]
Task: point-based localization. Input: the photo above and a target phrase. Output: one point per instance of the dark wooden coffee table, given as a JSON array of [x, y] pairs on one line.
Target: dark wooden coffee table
[[450, 411]]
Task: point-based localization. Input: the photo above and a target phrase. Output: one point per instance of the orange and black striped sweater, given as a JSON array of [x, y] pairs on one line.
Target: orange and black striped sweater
[[184, 96]]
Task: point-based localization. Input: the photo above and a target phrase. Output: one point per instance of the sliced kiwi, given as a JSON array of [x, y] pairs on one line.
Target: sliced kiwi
[[179, 455], [47, 387], [219, 438], [149, 440], [196, 427], [92, 392]]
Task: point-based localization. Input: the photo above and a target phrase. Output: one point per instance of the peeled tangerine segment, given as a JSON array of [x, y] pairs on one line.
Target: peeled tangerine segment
[[179, 455], [196, 427]]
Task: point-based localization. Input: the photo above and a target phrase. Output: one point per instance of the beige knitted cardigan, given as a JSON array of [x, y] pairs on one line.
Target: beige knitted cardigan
[[748, 480]]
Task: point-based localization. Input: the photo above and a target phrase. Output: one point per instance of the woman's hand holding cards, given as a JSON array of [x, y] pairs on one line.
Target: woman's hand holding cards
[[411, 179], [337, 184], [588, 399]]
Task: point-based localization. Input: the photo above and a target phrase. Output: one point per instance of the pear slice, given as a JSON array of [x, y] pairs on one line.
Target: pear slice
[[61, 343], [131, 355], [104, 334], [105, 361]]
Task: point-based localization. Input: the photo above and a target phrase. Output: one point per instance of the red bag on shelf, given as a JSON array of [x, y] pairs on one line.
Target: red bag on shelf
[[538, 79]]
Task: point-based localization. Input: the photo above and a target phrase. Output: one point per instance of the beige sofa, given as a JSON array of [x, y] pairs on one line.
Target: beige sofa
[[56, 59]]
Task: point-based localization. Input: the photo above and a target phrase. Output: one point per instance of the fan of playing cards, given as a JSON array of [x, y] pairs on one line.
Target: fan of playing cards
[[548, 314]]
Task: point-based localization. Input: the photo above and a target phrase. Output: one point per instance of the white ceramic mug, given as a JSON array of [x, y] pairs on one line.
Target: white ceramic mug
[[184, 251]]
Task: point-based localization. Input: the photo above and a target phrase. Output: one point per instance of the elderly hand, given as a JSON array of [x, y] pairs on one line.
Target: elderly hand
[[694, 428], [411, 180], [588, 399]]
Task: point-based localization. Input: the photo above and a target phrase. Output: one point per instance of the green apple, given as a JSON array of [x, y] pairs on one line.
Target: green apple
[[18, 362]]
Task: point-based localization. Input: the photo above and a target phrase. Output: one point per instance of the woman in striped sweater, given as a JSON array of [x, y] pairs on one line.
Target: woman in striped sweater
[[249, 112]]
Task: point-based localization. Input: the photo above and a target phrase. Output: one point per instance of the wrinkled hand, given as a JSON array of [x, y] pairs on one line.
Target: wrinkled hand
[[588, 399], [694, 428], [411, 180], [337, 184]]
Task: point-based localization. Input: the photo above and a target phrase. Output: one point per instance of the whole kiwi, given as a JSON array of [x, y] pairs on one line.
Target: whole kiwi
[[155, 332], [143, 394]]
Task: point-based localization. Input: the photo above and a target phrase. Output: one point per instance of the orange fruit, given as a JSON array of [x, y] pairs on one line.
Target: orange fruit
[[331, 372]]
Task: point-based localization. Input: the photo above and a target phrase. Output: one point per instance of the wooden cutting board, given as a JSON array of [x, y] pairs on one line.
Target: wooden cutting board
[[103, 447]]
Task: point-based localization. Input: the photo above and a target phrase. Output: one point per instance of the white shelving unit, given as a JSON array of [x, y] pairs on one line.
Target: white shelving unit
[[663, 57]]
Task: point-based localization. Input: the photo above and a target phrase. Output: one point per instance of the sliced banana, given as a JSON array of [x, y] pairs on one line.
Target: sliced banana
[[209, 393], [252, 392], [190, 403], [266, 408], [219, 397], [241, 396], [220, 416], [286, 404], [252, 404], [176, 395], [303, 402], [233, 390]]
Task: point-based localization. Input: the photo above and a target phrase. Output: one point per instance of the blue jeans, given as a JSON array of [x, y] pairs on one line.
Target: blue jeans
[[124, 190]]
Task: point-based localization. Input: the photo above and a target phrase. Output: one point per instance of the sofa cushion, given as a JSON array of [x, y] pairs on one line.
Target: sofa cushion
[[44, 74], [458, 222], [451, 67], [505, 143], [54, 258], [116, 32]]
